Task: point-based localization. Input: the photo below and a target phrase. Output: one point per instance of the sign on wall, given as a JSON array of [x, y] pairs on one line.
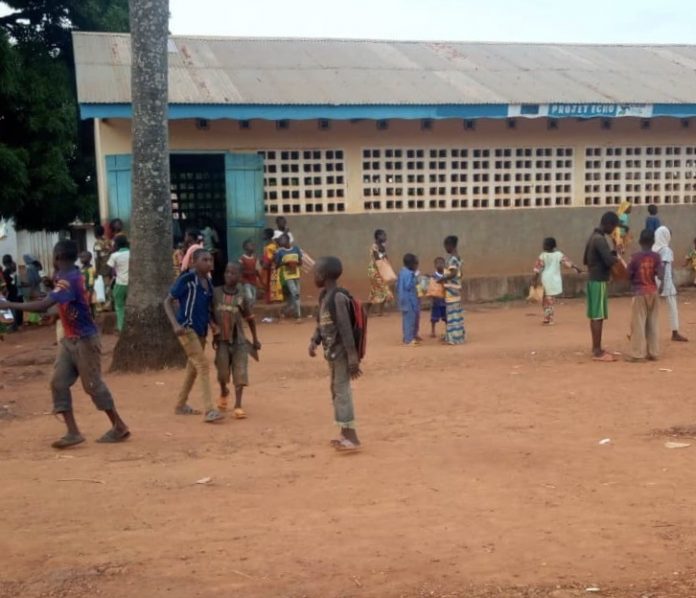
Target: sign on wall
[[580, 110]]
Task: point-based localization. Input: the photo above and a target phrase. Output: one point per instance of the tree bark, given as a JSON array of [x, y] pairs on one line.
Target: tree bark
[[147, 341]]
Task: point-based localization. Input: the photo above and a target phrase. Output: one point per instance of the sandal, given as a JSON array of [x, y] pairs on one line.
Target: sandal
[[114, 435], [605, 357], [222, 404], [186, 410], [68, 440], [345, 446], [213, 416], [239, 413]]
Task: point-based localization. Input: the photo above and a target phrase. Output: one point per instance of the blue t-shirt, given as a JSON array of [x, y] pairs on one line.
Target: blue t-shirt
[[406, 290], [73, 304], [195, 298], [652, 223]]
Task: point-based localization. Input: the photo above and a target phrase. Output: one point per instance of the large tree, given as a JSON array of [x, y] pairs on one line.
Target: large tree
[[46, 153], [147, 341]]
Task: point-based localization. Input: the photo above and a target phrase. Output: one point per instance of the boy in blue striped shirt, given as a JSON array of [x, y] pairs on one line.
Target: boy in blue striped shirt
[[194, 293]]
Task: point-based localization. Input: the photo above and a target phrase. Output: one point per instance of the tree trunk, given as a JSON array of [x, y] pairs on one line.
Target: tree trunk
[[147, 341]]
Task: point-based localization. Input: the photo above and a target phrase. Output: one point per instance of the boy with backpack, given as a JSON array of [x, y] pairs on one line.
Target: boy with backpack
[[342, 329]]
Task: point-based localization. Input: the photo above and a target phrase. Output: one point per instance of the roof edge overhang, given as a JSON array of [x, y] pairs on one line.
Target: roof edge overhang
[[274, 112]]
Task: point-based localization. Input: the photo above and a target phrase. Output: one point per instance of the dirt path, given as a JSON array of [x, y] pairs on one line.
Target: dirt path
[[482, 474]]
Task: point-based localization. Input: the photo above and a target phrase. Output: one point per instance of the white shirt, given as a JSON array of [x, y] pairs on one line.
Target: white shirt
[[279, 233], [119, 262]]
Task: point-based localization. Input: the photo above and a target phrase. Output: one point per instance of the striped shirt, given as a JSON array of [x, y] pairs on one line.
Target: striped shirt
[[195, 296]]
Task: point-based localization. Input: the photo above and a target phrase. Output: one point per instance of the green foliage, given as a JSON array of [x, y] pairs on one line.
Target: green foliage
[[46, 152]]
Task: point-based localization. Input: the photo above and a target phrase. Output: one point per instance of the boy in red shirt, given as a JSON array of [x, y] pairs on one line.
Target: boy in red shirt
[[79, 352], [643, 271]]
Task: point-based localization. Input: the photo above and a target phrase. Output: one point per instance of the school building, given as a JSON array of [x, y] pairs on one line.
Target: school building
[[501, 144]]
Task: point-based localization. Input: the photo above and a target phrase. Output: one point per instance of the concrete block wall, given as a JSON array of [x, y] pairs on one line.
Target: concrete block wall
[[498, 247]]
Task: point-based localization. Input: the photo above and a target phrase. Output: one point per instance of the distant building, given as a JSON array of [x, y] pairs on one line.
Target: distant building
[[499, 143]]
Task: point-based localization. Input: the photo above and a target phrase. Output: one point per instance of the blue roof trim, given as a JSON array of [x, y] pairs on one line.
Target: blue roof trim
[[383, 112], [303, 112]]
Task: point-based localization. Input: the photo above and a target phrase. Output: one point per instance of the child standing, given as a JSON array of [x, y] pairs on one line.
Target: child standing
[[409, 303], [90, 275], [652, 222], [548, 270], [334, 332], [119, 262], [231, 307], [194, 292], [691, 259], [668, 289], [438, 311], [644, 269], [289, 261], [79, 351], [250, 272]]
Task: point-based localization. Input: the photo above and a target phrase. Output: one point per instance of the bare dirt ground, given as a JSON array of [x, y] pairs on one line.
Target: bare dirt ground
[[481, 474]]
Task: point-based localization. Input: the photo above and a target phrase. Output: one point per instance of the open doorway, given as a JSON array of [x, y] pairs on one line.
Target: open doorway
[[199, 200]]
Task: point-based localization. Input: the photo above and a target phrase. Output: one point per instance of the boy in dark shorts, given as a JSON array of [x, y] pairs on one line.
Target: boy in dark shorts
[[335, 333], [600, 259], [438, 310], [232, 307], [194, 292], [79, 352]]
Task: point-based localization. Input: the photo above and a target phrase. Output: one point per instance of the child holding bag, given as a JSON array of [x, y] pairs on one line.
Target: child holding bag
[[436, 292]]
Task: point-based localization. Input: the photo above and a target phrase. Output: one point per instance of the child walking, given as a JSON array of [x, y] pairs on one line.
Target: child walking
[[250, 272], [231, 308], [79, 351], [548, 270], [289, 261], [668, 290], [644, 270], [194, 292], [119, 262], [438, 310], [409, 303], [335, 333]]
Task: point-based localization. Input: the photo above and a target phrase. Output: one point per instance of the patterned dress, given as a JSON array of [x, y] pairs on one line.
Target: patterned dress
[[274, 289], [454, 334], [379, 290]]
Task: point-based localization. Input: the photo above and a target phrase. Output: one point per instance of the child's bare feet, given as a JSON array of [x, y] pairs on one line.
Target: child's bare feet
[[678, 338]]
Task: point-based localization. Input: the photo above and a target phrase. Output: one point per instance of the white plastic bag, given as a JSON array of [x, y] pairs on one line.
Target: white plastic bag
[[100, 289]]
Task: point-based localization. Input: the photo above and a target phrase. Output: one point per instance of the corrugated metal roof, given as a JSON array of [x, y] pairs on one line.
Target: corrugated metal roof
[[352, 72]]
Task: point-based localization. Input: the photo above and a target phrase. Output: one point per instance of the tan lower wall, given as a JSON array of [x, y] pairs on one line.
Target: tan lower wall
[[492, 244]]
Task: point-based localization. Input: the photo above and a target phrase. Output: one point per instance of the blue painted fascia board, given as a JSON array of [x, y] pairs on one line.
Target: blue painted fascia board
[[384, 112]]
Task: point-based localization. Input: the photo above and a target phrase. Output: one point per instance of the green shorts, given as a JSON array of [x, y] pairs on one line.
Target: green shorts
[[597, 308]]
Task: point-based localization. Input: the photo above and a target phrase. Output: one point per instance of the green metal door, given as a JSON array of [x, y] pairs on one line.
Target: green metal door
[[245, 210], [118, 177]]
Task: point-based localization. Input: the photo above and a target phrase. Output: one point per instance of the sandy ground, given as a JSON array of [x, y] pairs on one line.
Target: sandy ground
[[481, 474]]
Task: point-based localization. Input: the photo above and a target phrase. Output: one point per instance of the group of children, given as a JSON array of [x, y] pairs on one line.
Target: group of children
[[650, 272], [442, 287], [194, 306], [225, 309]]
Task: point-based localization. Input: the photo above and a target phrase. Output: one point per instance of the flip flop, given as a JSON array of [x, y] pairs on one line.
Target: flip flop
[[68, 440], [239, 413], [213, 416], [113, 436], [346, 446], [605, 358], [186, 410]]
